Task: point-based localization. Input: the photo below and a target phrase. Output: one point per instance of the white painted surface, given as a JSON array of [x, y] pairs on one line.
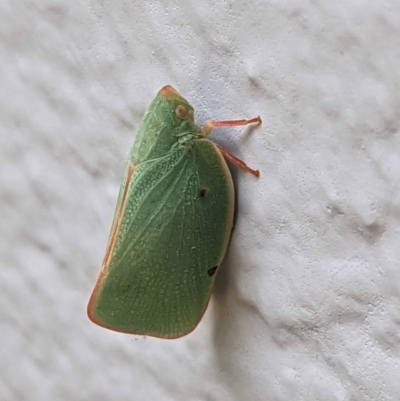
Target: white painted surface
[[307, 303]]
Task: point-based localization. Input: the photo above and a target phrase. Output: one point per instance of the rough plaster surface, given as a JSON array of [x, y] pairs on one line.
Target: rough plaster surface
[[307, 303]]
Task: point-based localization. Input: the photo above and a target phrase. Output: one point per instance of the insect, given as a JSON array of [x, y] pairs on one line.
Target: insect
[[171, 227]]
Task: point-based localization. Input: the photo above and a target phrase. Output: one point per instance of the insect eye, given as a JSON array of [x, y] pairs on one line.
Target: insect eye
[[181, 112]]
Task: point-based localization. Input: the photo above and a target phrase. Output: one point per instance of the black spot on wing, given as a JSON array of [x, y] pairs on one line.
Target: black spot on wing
[[212, 271], [201, 192]]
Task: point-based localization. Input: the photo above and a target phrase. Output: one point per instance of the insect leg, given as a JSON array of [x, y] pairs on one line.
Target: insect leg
[[237, 162], [209, 125]]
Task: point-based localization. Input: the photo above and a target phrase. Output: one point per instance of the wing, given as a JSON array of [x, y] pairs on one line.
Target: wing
[[169, 235]]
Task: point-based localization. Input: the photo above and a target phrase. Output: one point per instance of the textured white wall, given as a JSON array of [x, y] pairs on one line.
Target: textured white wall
[[307, 303]]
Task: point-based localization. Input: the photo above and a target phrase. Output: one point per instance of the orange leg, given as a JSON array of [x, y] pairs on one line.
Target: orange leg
[[237, 162], [209, 125]]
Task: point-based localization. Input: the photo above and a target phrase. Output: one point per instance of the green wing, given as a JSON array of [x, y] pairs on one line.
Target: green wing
[[170, 233]]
